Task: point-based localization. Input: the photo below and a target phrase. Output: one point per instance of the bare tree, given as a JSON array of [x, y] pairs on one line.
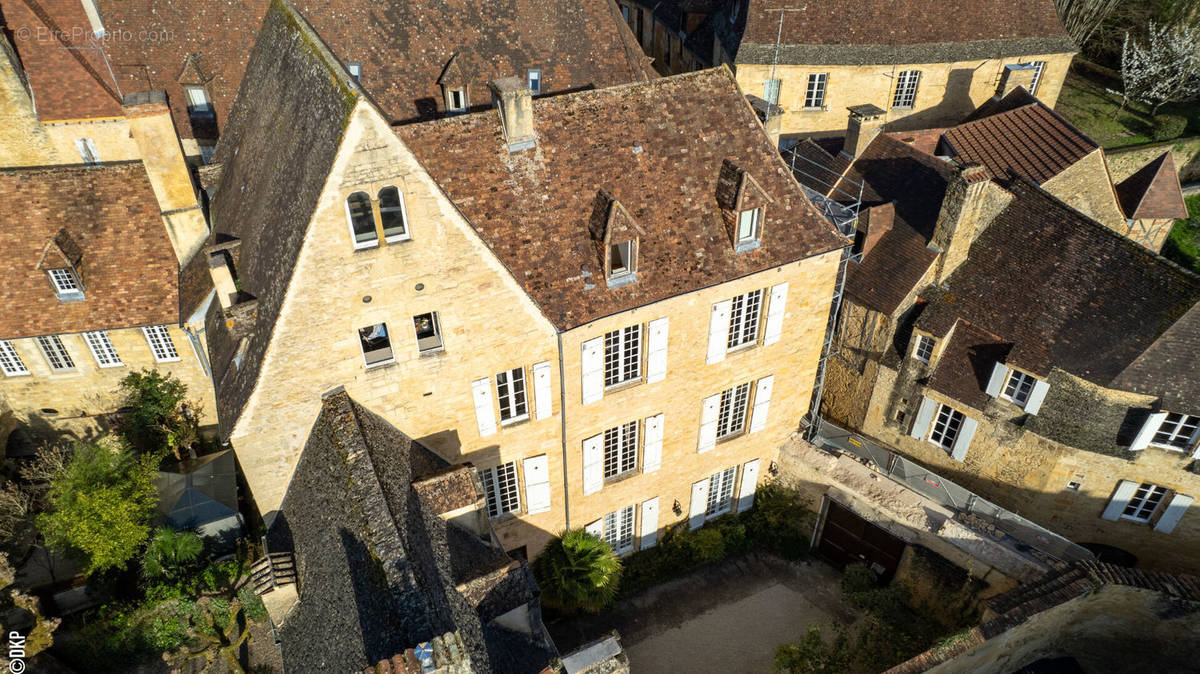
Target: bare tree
[[1166, 69], [1081, 18]]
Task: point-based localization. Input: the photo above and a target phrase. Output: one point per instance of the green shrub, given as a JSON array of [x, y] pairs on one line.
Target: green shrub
[[779, 522], [707, 545], [858, 578], [810, 655], [1167, 127]]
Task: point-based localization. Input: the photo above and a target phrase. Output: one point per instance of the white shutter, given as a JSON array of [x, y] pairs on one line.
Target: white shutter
[[593, 370], [775, 313], [485, 415], [708, 422], [596, 528], [718, 331], [649, 523], [87, 151], [537, 484], [1036, 396], [542, 405], [762, 402], [593, 464], [958, 451], [652, 449], [699, 504], [1170, 517], [924, 416], [1120, 499], [749, 485], [1146, 434], [656, 365], [996, 381]]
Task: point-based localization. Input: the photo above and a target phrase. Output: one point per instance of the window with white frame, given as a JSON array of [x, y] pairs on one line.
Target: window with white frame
[[906, 88], [10, 360], [946, 427], [621, 259], [102, 348], [533, 78], [510, 391], [198, 104], [502, 489], [1176, 431], [429, 332], [376, 344], [1144, 502], [66, 284], [622, 356], [160, 343], [1018, 387], [771, 87], [814, 94], [87, 151], [392, 215], [355, 70], [620, 449], [744, 311], [362, 220], [731, 413], [749, 225], [55, 353], [618, 530], [1038, 67], [720, 492], [456, 100], [923, 349]]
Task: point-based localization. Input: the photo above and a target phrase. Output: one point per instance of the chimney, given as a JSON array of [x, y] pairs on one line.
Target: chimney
[[866, 121], [515, 102], [152, 129], [1016, 75], [971, 202]]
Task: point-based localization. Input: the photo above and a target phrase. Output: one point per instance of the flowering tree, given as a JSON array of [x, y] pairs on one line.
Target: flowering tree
[[1166, 69]]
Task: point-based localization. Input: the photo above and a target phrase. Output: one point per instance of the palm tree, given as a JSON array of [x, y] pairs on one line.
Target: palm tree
[[578, 571], [170, 552]]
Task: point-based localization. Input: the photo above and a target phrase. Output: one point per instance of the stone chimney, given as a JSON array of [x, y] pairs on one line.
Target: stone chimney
[[515, 101], [1016, 75], [866, 121], [875, 222], [972, 201], [152, 129]]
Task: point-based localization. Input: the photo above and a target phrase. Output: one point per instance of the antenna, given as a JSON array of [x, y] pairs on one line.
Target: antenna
[[775, 58]]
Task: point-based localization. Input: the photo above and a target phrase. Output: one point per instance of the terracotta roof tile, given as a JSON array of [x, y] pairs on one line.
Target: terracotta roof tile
[[1153, 192], [1031, 141], [966, 364]]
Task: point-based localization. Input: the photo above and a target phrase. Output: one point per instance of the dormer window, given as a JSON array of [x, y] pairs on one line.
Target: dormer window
[[621, 262], [1176, 431], [749, 226], [456, 100], [923, 351], [533, 78], [362, 220], [198, 105], [66, 285], [1018, 387], [1021, 388], [392, 215]]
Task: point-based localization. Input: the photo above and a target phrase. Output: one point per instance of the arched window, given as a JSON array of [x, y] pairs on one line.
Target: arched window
[[362, 220], [391, 213]]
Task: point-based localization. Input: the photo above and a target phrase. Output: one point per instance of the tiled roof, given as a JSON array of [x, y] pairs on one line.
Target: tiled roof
[[966, 363], [1153, 192], [888, 273], [1016, 98], [111, 222], [1170, 368], [659, 149], [1032, 141]]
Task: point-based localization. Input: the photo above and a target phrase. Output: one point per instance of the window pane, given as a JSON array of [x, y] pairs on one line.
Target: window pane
[[10, 360], [429, 336], [501, 487], [743, 319], [56, 354], [102, 348], [622, 355], [720, 492], [906, 89], [620, 449], [376, 344], [160, 343], [618, 530], [510, 391], [391, 213], [945, 427], [620, 262], [362, 221]]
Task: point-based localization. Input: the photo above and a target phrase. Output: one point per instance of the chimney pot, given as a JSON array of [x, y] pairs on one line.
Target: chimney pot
[[866, 121], [515, 101]]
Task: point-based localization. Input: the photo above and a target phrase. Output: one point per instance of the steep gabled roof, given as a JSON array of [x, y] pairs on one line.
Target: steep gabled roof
[[966, 362], [1153, 192], [1170, 368]]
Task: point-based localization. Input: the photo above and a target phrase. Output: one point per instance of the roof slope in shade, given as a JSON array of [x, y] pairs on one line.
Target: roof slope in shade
[[658, 148], [966, 363], [1153, 192], [1031, 141], [1170, 368]]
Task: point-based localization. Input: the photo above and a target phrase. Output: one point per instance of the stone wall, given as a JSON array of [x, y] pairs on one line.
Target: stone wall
[[1086, 187]]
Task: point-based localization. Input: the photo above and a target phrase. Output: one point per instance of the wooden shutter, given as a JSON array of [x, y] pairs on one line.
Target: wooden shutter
[[924, 416], [593, 464], [485, 414], [652, 447], [1036, 396], [537, 484], [656, 345], [1120, 499], [649, 523], [762, 402], [699, 504], [708, 422], [748, 487], [593, 370], [596, 528], [775, 312], [996, 381], [1146, 434], [543, 406], [958, 451], [1170, 517], [718, 331]]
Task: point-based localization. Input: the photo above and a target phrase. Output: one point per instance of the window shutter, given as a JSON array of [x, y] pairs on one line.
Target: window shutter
[[649, 523], [593, 464], [1146, 434], [708, 422], [762, 401], [718, 331], [1036, 396], [1120, 499], [962, 443], [775, 313], [593, 370], [87, 151], [1170, 517], [485, 415], [699, 504], [656, 367], [749, 485], [543, 407], [537, 484], [924, 417], [596, 529], [652, 450], [996, 381]]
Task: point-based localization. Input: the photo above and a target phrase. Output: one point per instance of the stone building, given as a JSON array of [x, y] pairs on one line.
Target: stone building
[[1152, 200], [505, 285]]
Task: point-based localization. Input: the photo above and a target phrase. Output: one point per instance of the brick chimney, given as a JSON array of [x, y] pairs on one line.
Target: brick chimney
[[866, 121], [515, 101], [1016, 75]]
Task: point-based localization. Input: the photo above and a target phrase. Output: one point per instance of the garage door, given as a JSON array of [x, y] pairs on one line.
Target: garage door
[[847, 538]]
